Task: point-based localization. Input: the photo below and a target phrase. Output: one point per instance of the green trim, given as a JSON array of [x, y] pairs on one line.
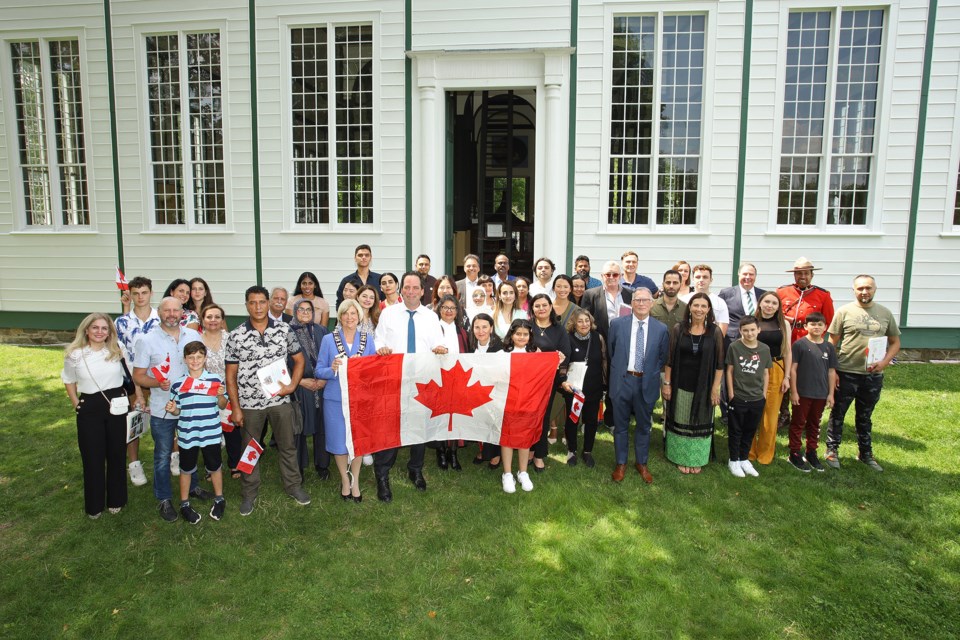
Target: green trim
[[408, 131], [744, 119], [572, 129], [929, 338], [255, 135], [33, 320], [918, 164], [114, 145]]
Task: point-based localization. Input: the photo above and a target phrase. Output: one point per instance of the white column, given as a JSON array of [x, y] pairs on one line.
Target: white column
[[430, 212], [554, 225]]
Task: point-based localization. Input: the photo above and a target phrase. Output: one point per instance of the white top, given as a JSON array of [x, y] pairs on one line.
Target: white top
[[392, 329], [450, 340], [108, 374], [501, 328], [473, 310], [720, 311], [536, 287], [632, 365]]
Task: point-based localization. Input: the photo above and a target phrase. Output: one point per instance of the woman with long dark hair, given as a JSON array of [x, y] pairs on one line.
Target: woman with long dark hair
[[548, 335], [691, 385], [589, 347], [200, 296], [775, 333], [308, 288]]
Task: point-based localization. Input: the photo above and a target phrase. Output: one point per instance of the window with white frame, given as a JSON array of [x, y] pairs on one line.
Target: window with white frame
[[48, 104], [656, 116], [332, 124], [828, 148], [186, 129]]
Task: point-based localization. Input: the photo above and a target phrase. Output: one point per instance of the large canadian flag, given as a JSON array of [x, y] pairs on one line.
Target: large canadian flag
[[399, 400]]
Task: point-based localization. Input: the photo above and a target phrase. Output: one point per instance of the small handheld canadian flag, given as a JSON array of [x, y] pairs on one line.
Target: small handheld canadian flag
[[250, 457], [122, 281], [225, 423], [576, 407], [160, 373], [200, 387]]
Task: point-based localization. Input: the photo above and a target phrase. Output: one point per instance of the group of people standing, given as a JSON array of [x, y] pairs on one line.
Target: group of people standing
[[633, 343]]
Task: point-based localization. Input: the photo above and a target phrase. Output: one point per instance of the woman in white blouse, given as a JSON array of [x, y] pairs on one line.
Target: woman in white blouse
[[93, 374]]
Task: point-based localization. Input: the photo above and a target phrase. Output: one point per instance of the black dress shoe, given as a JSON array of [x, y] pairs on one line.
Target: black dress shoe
[[478, 459], [416, 477], [383, 489], [442, 458], [324, 474], [358, 498], [453, 460]]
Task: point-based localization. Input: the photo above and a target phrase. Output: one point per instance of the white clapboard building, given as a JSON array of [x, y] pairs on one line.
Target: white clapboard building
[[247, 141]]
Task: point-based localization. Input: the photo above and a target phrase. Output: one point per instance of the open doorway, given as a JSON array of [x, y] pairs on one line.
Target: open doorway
[[490, 163]]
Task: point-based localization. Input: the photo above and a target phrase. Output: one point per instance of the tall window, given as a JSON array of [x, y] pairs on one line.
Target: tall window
[[49, 112], [827, 162], [656, 117], [332, 117], [186, 129]]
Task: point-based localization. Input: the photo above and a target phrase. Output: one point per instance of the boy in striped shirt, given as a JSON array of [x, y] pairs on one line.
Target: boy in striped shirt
[[197, 399]]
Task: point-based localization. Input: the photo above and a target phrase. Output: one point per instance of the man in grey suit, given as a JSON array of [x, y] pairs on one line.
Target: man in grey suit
[[638, 352], [741, 300]]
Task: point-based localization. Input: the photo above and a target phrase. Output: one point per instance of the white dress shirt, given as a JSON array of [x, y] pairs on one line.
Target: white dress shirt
[[392, 329]]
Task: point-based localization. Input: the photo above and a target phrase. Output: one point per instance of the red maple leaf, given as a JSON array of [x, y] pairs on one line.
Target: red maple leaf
[[453, 395]]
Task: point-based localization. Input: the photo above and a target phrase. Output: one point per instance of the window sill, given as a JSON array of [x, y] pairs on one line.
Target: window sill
[[59, 232], [950, 234], [656, 231], [851, 233], [308, 230], [184, 231]]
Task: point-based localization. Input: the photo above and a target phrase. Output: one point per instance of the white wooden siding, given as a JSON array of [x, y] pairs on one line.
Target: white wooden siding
[[495, 24]]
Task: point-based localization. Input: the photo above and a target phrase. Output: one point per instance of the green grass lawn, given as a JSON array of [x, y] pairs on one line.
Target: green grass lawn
[[849, 553]]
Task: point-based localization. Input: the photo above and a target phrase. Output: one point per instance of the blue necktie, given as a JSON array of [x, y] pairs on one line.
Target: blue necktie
[[638, 350], [411, 334]]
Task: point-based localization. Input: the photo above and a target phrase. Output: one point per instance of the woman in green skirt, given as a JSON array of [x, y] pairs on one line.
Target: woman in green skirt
[[691, 385]]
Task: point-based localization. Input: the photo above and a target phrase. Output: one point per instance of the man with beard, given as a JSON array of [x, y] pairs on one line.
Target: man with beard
[[668, 308], [858, 381]]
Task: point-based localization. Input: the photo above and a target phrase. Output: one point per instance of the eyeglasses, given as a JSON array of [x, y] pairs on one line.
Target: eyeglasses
[[454, 309], [643, 300], [612, 274]]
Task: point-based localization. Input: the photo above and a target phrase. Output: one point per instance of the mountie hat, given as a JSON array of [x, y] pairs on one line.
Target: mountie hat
[[803, 264]]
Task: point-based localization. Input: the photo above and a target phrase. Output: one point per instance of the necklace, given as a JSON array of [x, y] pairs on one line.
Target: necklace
[[696, 343]]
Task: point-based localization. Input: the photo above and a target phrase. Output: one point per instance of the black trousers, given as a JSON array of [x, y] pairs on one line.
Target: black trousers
[[542, 447], [102, 439], [384, 460], [234, 442], [588, 418], [742, 423]]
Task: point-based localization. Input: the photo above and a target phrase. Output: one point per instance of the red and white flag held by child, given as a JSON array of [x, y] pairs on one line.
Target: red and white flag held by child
[[200, 387], [161, 372], [122, 281], [576, 407], [404, 399], [250, 457], [225, 423]]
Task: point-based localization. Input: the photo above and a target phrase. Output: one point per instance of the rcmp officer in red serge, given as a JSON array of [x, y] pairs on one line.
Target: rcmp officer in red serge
[[797, 301]]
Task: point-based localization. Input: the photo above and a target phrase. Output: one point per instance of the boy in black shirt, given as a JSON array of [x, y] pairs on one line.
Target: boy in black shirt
[[813, 377]]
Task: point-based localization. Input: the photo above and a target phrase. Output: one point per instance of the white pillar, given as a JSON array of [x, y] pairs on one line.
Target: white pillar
[[430, 212], [554, 224]]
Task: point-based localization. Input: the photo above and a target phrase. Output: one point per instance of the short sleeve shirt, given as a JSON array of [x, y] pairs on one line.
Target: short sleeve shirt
[[855, 326], [153, 349], [670, 318], [748, 366], [130, 328], [814, 362], [251, 350]]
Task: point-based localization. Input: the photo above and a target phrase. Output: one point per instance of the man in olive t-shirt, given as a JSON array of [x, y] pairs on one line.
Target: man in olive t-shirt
[[850, 331]]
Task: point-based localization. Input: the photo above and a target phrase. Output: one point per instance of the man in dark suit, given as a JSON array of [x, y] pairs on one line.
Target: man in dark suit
[[741, 300], [638, 351]]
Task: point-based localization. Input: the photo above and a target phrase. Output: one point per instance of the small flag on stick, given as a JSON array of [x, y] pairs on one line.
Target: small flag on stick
[[576, 407], [160, 373], [200, 387], [250, 457], [122, 281]]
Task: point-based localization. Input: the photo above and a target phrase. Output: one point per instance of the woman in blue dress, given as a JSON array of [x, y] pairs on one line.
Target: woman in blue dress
[[347, 341]]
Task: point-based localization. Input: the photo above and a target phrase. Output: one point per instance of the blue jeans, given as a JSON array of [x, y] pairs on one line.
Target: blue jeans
[[163, 432]]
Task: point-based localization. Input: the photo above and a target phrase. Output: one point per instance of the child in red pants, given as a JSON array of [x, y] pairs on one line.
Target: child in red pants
[[813, 377]]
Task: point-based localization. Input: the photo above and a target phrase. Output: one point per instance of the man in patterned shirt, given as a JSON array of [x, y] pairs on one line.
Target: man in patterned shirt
[[253, 345], [130, 326]]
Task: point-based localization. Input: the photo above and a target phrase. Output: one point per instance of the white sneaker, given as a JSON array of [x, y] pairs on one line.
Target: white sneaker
[[735, 468], [524, 479], [508, 484], [175, 463], [136, 473], [748, 469], [368, 460]]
